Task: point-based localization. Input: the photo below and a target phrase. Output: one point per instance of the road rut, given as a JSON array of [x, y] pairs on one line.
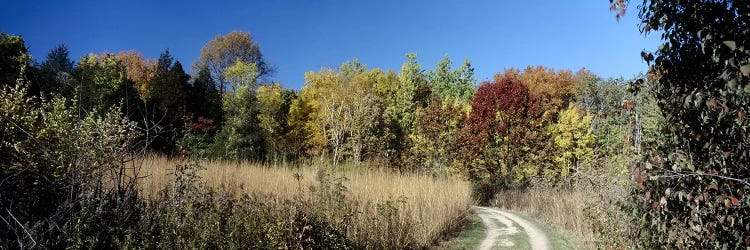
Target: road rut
[[500, 225]]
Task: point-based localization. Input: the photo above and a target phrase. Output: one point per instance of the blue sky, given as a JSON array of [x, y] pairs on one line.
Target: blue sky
[[300, 36]]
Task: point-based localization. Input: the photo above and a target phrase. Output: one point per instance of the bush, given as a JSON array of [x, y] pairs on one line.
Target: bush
[[58, 168], [691, 188]]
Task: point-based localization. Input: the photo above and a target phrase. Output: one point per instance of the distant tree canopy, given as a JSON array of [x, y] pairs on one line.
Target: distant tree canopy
[[223, 52]]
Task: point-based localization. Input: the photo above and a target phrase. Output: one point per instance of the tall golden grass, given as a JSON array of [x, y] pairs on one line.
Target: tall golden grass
[[563, 209], [588, 214], [410, 210]]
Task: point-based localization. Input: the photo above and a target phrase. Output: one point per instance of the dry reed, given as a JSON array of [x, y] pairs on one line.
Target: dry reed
[[423, 209]]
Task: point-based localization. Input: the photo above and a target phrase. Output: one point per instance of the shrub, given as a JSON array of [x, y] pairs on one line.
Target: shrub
[[691, 189], [58, 168]]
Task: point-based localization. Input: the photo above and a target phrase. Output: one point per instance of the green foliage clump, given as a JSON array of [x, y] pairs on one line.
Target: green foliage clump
[[58, 169], [457, 84], [14, 58]]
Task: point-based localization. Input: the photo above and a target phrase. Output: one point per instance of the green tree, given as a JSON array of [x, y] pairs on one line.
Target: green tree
[[457, 84], [241, 136], [167, 103], [386, 87], [271, 116], [14, 59], [413, 92], [97, 79], [56, 71], [205, 97]]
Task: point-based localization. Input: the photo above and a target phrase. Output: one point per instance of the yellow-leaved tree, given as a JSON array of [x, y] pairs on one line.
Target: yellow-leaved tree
[[573, 141]]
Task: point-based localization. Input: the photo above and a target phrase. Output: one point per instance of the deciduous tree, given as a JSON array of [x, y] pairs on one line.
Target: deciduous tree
[[96, 81], [223, 52], [574, 140], [436, 134], [241, 136], [139, 70], [456, 84], [498, 134], [14, 59]]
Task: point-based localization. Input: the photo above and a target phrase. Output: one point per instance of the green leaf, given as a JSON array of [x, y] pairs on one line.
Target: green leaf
[[745, 69], [731, 44], [732, 84]]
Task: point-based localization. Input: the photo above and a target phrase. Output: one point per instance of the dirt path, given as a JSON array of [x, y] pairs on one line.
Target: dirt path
[[500, 225]]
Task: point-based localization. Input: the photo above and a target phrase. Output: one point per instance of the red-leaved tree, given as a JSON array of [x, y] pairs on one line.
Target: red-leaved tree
[[499, 130]]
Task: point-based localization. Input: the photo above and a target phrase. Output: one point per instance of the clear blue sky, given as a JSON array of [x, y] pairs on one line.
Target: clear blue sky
[[300, 36]]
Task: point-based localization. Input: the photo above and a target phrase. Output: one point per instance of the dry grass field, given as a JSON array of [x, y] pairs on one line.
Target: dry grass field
[[381, 205]]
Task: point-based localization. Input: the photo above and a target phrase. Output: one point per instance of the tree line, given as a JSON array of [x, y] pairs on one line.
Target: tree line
[[523, 124]]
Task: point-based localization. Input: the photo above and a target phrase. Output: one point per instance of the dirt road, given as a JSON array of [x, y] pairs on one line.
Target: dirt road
[[500, 226]]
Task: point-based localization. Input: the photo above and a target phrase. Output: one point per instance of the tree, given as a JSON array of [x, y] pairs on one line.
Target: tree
[[241, 136], [305, 113], [139, 70], [167, 102], [56, 71], [555, 89], [205, 97], [223, 52], [365, 112], [271, 116], [339, 112], [456, 84], [331, 122], [573, 139], [14, 60], [498, 133], [96, 81], [386, 88], [413, 92], [436, 134], [690, 189]]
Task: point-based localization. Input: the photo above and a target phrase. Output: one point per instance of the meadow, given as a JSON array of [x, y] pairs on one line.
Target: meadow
[[384, 207]]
